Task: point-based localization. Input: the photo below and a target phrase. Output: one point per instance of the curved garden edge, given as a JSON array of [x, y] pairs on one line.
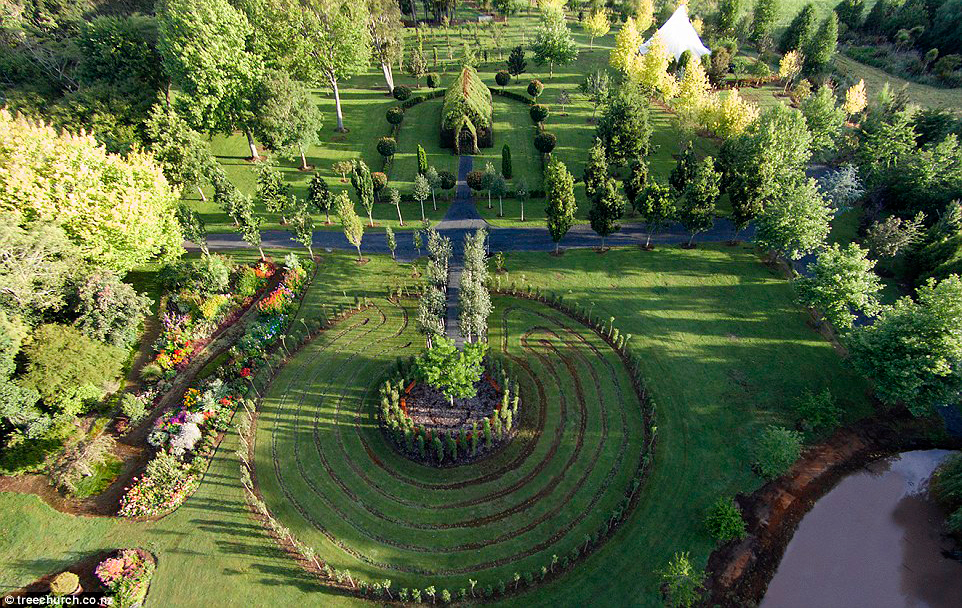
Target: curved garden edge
[[131, 446], [739, 572], [292, 546]]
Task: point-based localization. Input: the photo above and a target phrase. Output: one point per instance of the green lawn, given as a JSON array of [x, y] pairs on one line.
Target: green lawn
[[725, 351]]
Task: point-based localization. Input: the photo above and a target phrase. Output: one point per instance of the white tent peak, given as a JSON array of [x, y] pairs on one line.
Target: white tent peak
[[679, 36]]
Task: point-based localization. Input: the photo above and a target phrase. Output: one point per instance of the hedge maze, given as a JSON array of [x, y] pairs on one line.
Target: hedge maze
[[526, 512]]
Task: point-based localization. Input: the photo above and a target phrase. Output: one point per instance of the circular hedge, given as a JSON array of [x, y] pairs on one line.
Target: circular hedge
[[502, 78], [386, 146], [538, 112], [395, 115], [535, 88], [448, 179], [545, 142], [402, 92]]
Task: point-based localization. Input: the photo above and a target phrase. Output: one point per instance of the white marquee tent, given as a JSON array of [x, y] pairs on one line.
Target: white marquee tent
[[679, 36]]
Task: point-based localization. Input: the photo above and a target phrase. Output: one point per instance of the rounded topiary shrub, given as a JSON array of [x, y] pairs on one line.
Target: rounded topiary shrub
[[386, 146], [776, 451], [379, 180], [538, 112], [545, 142], [395, 115], [502, 78], [535, 88], [65, 583], [402, 92], [448, 179], [434, 80], [475, 179]]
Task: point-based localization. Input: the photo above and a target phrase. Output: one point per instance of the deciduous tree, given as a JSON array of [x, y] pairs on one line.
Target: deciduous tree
[[560, 206], [839, 284], [351, 223]]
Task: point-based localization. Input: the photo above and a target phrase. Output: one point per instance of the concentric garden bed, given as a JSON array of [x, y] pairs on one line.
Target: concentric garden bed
[[527, 512], [425, 425]]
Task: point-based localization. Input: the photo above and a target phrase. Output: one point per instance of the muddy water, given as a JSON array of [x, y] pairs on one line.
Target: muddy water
[[873, 541]]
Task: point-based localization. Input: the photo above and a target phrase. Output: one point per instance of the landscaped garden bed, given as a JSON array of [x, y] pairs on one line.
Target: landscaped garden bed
[[428, 426]]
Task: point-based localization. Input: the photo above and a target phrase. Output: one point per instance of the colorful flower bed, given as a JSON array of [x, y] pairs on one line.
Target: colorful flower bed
[[127, 576], [185, 436]]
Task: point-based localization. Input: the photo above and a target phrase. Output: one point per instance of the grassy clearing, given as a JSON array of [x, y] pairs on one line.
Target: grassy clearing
[[875, 79]]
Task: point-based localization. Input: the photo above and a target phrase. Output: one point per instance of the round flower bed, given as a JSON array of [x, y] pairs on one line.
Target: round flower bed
[[429, 427], [126, 575]]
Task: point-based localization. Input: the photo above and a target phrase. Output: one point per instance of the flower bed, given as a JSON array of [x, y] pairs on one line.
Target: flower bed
[[127, 576], [185, 437], [424, 426]]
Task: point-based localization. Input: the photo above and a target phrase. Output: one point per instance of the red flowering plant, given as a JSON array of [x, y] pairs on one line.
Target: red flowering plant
[[127, 576]]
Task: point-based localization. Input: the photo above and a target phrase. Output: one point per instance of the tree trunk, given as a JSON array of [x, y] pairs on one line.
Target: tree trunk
[[648, 241], [388, 76], [691, 239], [522, 210], [200, 191], [557, 246], [337, 105], [434, 201], [399, 218], [327, 215], [370, 220], [250, 142], [303, 161], [489, 199], [422, 210], [310, 251], [500, 207], [260, 248], [359, 258]]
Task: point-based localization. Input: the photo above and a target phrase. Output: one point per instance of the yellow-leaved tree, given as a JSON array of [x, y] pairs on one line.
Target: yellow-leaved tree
[[596, 25], [733, 115], [693, 94], [856, 99], [624, 57], [644, 15], [653, 73], [119, 211]]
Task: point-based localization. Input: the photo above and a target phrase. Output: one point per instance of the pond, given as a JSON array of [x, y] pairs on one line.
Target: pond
[[874, 540]]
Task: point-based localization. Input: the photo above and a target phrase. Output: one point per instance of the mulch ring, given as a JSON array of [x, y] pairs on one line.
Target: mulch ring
[[739, 572], [428, 406]]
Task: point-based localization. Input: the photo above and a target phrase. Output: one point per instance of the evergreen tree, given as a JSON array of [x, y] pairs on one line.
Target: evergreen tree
[[684, 169], [727, 18], [422, 160], [824, 119], [364, 188], [506, 169], [391, 241], [319, 196], [352, 224], [596, 170], [821, 48], [796, 37], [516, 62], [624, 126], [763, 21], [607, 208], [560, 206], [636, 181]]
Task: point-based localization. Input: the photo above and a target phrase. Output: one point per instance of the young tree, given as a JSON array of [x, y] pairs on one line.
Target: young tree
[[657, 207], [912, 351], [697, 212], [596, 170], [684, 169], [193, 227], [302, 225], [644, 15], [886, 238], [183, 154], [800, 30], [596, 25], [339, 46], [391, 241], [652, 73], [272, 191], [563, 100], [287, 119], [249, 224], [506, 169], [682, 582], [821, 48], [386, 31], [342, 168], [560, 206], [422, 160], [522, 194], [516, 62], [624, 57], [203, 45], [319, 196], [636, 181], [841, 282], [789, 67], [825, 120], [393, 196], [694, 98], [417, 66], [434, 180], [595, 89], [449, 370], [422, 189], [795, 222], [624, 127], [607, 208], [499, 188], [364, 188], [509, 7], [763, 21], [487, 180], [727, 17], [353, 227], [856, 99]]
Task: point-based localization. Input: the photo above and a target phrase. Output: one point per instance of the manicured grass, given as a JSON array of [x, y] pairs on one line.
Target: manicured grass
[[104, 472], [326, 468], [725, 351], [921, 94]]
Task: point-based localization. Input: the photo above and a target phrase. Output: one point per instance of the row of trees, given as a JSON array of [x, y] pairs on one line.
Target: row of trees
[[473, 298], [432, 308]]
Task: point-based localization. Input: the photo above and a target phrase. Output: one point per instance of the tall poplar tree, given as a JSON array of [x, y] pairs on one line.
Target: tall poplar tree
[[560, 205]]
